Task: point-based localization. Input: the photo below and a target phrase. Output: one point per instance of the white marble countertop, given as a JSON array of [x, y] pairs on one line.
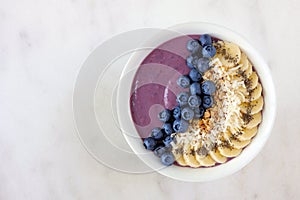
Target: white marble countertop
[[43, 43]]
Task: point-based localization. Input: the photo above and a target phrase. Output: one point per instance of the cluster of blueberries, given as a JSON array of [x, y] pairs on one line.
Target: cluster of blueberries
[[191, 105]]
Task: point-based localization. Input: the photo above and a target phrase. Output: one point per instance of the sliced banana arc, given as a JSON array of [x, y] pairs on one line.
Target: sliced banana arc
[[207, 161], [248, 134], [230, 53], [256, 93], [238, 144], [181, 161], [188, 157], [227, 135], [243, 90], [241, 96], [235, 142], [215, 155], [229, 152], [256, 106], [254, 80], [178, 156], [248, 71], [254, 122], [244, 62]]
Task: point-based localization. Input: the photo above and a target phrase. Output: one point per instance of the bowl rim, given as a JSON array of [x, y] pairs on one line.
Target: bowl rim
[[248, 153]]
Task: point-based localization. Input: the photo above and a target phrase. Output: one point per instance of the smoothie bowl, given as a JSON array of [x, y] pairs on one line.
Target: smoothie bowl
[[199, 106]]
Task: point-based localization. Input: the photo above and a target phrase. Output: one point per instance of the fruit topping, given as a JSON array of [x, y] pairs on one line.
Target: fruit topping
[[167, 158], [191, 61], [199, 112], [195, 88], [160, 150], [183, 81], [205, 39], [195, 75], [203, 65], [187, 113], [177, 112], [208, 87], [207, 101], [180, 125], [149, 143], [194, 101], [168, 128], [167, 141], [193, 46], [164, 115], [157, 134], [209, 51], [182, 98]]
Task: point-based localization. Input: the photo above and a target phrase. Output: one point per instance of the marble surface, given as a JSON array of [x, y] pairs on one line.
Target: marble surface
[[43, 43]]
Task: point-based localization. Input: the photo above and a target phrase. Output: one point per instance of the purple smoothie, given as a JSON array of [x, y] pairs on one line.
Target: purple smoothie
[[154, 86]]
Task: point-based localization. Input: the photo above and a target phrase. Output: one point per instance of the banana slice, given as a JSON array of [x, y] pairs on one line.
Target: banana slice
[[234, 70], [254, 122], [243, 91], [248, 71], [207, 161], [181, 161], [215, 155], [254, 80], [177, 152], [256, 93], [228, 53], [244, 62], [189, 157], [237, 144], [248, 134], [229, 152], [241, 96], [227, 135], [256, 105]]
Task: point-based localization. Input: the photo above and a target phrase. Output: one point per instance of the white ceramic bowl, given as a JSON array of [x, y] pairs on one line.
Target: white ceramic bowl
[[199, 174]]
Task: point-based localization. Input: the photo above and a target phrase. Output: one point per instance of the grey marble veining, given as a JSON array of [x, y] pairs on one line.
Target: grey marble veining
[[43, 43]]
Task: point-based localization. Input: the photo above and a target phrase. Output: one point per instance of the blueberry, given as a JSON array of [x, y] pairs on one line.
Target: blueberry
[[191, 61], [167, 141], [195, 88], [187, 113], [193, 46], [183, 81], [182, 98], [149, 143], [164, 115], [177, 112], [195, 75], [158, 151], [157, 134], [203, 65], [207, 101], [205, 40], [199, 112], [208, 87], [209, 51], [194, 101], [167, 158], [168, 128], [180, 126]]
